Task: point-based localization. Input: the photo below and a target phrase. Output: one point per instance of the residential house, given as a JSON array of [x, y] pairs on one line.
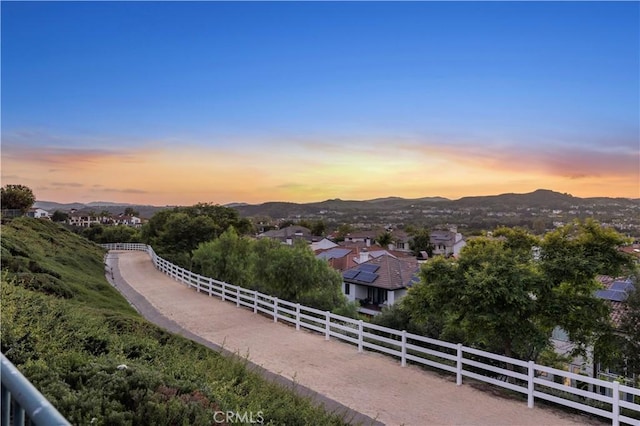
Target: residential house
[[615, 292], [83, 220], [399, 239], [38, 213], [132, 221], [367, 237], [380, 281], [289, 234], [323, 244], [340, 258], [447, 243]]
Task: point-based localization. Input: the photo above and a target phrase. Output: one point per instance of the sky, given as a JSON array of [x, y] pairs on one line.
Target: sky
[[174, 103]]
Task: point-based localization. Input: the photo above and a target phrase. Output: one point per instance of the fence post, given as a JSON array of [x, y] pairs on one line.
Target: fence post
[[297, 316], [360, 337], [327, 325], [224, 289], [237, 296], [530, 383], [255, 302], [6, 406], [403, 362], [459, 365], [18, 414], [275, 309], [615, 406]]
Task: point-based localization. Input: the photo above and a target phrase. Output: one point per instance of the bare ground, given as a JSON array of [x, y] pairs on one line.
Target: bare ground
[[368, 383]]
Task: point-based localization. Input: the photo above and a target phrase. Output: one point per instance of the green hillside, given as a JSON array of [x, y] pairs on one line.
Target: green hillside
[[68, 330]]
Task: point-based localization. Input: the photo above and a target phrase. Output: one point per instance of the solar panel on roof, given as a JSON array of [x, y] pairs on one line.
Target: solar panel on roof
[[351, 274], [367, 277], [414, 280], [369, 268], [613, 295], [622, 286]]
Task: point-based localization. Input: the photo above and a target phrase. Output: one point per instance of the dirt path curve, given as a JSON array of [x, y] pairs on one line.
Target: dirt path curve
[[371, 384]]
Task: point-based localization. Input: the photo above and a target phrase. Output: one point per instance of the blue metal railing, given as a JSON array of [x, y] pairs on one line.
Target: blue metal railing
[[21, 400]]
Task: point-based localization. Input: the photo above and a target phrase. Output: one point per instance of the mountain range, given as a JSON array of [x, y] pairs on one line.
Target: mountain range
[[541, 198]]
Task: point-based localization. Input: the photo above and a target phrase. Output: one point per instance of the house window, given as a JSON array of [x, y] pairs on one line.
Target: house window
[[347, 288], [376, 295]]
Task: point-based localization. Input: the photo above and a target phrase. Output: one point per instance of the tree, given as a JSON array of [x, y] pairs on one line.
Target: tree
[[343, 230], [384, 239], [17, 197], [266, 265], [59, 216], [318, 228], [130, 211], [227, 259], [501, 296], [630, 332], [421, 241], [175, 233]]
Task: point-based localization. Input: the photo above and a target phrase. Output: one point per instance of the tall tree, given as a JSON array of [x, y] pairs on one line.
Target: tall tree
[[421, 241], [130, 211], [59, 216], [384, 239], [17, 197], [266, 265], [502, 296], [175, 233], [228, 259]]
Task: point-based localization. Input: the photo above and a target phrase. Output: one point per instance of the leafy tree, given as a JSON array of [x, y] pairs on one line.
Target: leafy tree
[[59, 216], [93, 232], [384, 239], [266, 265], [175, 233], [130, 211], [18, 197], [570, 259], [343, 230], [500, 296], [630, 331], [421, 241], [318, 228], [227, 259], [286, 223], [620, 350]]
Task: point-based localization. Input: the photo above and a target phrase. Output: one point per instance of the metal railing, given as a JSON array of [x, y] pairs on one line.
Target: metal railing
[[21, 401]]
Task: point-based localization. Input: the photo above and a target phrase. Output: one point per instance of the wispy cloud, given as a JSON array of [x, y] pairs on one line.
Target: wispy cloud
[[124, 191], [66, 184]]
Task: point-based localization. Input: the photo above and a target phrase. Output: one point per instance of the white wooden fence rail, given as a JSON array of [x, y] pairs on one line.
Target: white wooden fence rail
[[521, 376]]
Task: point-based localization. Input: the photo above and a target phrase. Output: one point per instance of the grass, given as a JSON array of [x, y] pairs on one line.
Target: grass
[[68, 330]]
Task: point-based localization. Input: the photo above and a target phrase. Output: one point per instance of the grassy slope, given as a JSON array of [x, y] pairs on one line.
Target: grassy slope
[[67, 329]]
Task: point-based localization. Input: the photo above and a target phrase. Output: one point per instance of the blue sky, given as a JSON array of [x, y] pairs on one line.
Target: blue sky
[[512, 95]]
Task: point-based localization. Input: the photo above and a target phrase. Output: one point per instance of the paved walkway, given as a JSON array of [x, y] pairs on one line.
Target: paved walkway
[[373, 386]]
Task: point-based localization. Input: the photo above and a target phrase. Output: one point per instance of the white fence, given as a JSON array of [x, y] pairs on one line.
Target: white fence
[[531, 379]]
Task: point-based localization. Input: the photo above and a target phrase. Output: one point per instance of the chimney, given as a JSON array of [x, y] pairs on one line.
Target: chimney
[[364, 256], [367, 241]]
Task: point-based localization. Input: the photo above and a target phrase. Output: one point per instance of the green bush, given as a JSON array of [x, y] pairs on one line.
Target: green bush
[[71, 348]]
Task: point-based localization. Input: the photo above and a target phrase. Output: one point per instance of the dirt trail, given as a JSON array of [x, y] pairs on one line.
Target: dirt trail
[[371, 384]]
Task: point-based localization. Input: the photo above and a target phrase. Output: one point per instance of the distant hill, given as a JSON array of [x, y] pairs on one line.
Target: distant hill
[[538, 198], [541, 198], [386, 206]]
